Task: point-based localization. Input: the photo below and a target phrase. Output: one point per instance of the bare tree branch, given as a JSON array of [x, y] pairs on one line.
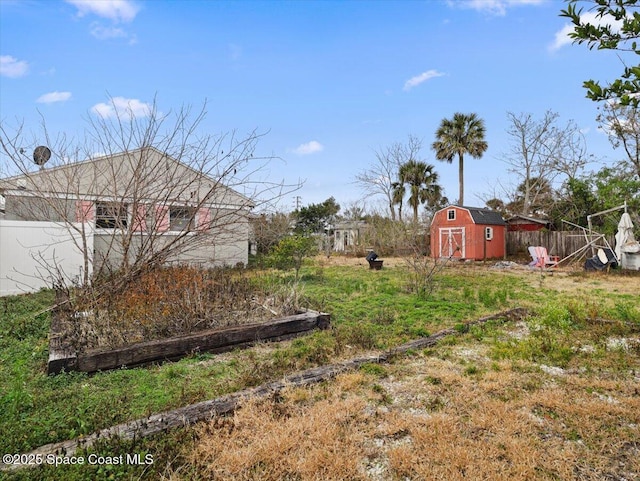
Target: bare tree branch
[[153, 187], [540, 152], [382, 175]]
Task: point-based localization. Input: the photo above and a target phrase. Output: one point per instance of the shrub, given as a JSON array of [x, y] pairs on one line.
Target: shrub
[[291, 251], [172, 301]]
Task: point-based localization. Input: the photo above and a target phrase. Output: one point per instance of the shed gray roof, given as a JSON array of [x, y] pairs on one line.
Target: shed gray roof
[[485, 216]]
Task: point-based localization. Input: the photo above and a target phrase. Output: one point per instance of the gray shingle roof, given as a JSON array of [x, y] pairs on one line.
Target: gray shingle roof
[[485, 216]]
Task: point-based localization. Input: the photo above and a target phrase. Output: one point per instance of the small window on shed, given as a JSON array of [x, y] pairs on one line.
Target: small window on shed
[[451, 214], [488, 233]]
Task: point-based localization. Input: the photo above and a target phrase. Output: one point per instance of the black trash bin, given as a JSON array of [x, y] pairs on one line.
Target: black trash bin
[[374, 262]]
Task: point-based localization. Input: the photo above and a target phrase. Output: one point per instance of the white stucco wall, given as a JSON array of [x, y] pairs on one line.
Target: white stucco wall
[[29, 249]]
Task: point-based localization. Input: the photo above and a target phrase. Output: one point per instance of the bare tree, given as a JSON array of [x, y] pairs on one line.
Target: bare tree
[[149, 189], [542, 150], [381, 177], [622, 125], [354, 211]]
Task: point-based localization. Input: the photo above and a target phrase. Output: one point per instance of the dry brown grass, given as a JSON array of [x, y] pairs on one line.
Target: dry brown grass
[[431, 417], [570, 278], [308, 434]]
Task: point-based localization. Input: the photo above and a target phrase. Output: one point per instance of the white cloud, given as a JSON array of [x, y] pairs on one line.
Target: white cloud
[[12, 67], [423, 77], [104, 33], [562, 38], [493, 7], [309, 148], [116, 10], [110, 32], [122, 108], [53, 97]]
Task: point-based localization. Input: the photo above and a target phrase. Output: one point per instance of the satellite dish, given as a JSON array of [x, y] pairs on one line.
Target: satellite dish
[[41, 155]]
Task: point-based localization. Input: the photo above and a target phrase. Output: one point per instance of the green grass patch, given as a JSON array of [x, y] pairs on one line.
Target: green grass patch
[[370, 311]]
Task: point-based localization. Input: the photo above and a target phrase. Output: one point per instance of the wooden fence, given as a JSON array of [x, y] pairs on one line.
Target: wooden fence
[[558, 243]]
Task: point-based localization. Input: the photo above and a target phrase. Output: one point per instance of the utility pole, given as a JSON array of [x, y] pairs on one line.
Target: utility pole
[[297, 200]]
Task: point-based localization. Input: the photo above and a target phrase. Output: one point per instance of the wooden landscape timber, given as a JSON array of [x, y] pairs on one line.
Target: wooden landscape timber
[[206, 410], [62, 357]]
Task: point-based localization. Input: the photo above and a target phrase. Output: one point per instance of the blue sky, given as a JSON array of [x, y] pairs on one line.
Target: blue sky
[[331, 81]]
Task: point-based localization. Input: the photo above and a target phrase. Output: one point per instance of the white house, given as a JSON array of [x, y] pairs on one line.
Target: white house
[[132, 203]]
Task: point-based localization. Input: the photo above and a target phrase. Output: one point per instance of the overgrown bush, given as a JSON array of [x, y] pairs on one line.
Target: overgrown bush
[[172, 301], [291, 251], [422, 274]]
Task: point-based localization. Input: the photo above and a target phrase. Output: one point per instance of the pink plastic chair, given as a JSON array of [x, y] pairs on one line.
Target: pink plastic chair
[[541, 257]]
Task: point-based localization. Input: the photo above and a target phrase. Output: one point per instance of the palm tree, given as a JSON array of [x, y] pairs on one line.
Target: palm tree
[[423, 184], [398, 196], [463, 134]]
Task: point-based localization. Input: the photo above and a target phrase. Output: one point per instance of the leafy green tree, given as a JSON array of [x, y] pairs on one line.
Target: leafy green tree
[[291, 252], [422, 181], [609, 187], [460, 135], [617, 27], [616, 185], [316, 217], [576, 201]]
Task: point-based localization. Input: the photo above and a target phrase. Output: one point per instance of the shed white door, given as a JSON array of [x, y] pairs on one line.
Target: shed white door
[[452, 242]]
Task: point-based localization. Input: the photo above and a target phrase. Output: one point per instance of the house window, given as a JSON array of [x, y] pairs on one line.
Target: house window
[[451, 214], [181, 218], [111, 215], [488, 233]]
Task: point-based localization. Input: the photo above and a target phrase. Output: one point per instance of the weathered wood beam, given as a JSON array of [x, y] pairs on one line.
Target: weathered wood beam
[[213, 340], [205, 410]]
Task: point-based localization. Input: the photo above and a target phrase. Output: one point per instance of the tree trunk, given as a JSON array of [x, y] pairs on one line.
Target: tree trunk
[[392, 210], [461, 179]]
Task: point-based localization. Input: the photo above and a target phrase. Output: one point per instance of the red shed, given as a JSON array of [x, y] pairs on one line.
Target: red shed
[[467, 233], [522, 222]]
